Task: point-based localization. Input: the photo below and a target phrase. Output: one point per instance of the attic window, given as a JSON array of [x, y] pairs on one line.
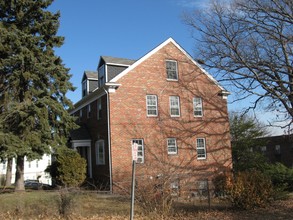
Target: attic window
[[102, 75], [171, 68], [84, 88]]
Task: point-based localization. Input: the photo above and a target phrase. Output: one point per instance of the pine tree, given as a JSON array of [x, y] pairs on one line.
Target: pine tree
[[246, 133], [33, 82]]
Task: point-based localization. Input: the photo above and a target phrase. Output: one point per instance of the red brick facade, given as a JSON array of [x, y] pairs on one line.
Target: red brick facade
[[128, 120]]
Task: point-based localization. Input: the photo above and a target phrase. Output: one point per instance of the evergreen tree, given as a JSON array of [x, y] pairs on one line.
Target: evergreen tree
[[33, 82], [245, 134]]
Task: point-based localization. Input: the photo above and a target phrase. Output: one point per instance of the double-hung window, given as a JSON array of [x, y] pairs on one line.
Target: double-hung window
[[80, 114], [201, 148], [84, 88], [99, 109], [152, 105], [197, 107], [278, 149], [89, 110], [100, 152], [172, 146], [140, 150], [172, 71], [174, 106]]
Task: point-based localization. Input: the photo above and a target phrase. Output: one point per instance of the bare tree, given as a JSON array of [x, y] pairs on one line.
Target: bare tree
[[249, 45]]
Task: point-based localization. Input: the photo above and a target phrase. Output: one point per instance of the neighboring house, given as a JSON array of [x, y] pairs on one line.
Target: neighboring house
[[33, 170], [278, 149], [166, 105]]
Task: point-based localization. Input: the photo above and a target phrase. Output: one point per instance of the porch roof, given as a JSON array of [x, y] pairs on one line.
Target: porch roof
[[80, 133]]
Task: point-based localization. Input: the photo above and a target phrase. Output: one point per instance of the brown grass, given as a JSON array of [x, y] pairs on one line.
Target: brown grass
[[89, 205]]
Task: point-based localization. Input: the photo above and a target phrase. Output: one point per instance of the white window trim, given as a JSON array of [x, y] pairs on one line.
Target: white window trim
[[204, 147], [99, 107], [174, 61], [98, 162], [139, 157], [198, 98], [89, 110], [176, 147], [151, 115], [85, 86], [170, 106]]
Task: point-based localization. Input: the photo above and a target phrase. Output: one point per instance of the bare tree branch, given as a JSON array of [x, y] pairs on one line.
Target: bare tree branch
[[248, 46]]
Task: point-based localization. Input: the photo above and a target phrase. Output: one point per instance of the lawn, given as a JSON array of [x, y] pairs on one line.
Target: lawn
[[90, 205]]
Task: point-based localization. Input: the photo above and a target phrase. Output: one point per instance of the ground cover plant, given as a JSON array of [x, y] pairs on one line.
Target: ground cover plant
[[45, 205]]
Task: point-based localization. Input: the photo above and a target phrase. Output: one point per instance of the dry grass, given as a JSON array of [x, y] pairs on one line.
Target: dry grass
[[89, 205]]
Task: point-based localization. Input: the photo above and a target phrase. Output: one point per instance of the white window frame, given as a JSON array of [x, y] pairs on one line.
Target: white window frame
[[89, 111], [263, 149], [102, 75], [85, 88], [278, 149], [99, 108], [152, 107], [140, 150], [175, 186], [201, 156], [197, 107], [168, 70], [172, 144], [172, 100], [100, 160]]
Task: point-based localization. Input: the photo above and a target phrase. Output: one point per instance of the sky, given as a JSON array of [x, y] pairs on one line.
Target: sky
[[122, 28], [126, 29]]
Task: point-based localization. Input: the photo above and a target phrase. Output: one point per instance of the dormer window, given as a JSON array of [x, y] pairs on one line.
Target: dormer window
[[102, 76], [89, 82], [84, 88]]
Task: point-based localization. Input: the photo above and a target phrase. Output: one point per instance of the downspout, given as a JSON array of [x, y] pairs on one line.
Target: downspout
[[109, 140]]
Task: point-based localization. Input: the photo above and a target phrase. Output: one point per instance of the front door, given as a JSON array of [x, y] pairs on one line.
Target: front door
[[84, 153]]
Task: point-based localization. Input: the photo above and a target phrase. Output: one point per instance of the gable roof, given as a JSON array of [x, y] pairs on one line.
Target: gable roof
[[117, 61], [80, 133], [169, 40], [90, 75]]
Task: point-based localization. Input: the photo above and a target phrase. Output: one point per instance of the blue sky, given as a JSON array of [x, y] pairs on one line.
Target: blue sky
[[121, 28], [128, 29]]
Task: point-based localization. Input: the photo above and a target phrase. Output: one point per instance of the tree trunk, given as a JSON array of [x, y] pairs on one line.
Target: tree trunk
[[8, 172], [19, 178]]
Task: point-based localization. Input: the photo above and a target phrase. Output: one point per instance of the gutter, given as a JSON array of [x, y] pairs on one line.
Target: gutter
[[109, 141]]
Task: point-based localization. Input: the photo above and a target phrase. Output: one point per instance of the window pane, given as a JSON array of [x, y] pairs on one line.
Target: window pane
[[171, 67], [140, 150], [172, 146], [174, 106], [200, 148], [99, 110], [152, 109], [100, 151], [197, 106]]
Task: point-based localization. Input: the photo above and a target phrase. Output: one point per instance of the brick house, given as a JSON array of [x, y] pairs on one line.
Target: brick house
[[166, 104], [277, 149]]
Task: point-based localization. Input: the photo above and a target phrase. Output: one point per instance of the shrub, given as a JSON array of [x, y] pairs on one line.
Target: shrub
[[281, 176], [222, 184], [69, 169], [155, 196], [251, 189]]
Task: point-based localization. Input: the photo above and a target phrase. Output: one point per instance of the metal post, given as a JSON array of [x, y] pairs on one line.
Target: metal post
[[209, 196], [132, 190]]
